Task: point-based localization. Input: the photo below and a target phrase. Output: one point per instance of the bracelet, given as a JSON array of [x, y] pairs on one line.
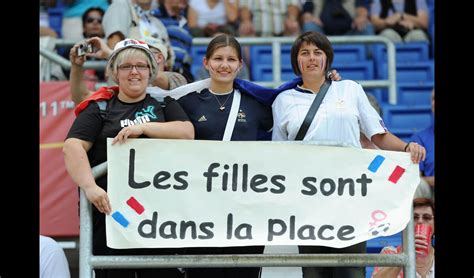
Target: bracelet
[[406, 146]]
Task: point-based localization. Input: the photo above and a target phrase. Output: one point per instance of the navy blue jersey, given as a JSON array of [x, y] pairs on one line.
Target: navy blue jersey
[[203, 109]]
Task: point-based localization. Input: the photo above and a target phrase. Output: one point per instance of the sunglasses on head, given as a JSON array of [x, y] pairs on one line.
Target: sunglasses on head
[[92, 19]]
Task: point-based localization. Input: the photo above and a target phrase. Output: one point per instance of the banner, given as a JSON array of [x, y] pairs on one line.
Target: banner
[[59, 196], [183, 193]]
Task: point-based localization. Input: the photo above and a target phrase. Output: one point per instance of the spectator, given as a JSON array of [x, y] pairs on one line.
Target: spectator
[[165, 80], [92, 27], [427, 167], [172, 12], [400, 20], [209, 110], [423, 213], [133, 19], [343, 115], [133, 67], [53, 262], [267, 18], [337, 17], [72, 21], [92, 23], [207, 17]]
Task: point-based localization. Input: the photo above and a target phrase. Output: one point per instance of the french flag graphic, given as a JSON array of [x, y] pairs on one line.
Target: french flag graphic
[[128, 212], [385, 167]]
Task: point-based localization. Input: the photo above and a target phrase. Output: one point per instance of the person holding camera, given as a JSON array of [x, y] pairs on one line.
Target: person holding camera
[[130, 113], [96, 48]]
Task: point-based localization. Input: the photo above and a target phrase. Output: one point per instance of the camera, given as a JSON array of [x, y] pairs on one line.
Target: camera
[[83, 49]]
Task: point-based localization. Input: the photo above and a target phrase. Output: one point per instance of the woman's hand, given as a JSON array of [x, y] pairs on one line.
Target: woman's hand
[[418, 152], [130, 131], [98, 197], [421, 243]]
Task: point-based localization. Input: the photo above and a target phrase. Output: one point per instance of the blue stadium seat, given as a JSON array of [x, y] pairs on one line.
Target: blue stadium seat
[[414, 93], [55, 16], [349, 53], [197, 53], [405, 52], [404, 120], [264, 72], [368, 271], [421, 72], [262, 54], [363, 70]]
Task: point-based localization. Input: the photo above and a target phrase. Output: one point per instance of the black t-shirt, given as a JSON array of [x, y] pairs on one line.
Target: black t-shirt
[[89, 125], [209, 121]]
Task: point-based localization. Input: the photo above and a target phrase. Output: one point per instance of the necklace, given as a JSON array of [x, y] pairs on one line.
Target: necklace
[[221, 105]]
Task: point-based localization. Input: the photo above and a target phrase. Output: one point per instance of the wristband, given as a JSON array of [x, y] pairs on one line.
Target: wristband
[[406, 146]]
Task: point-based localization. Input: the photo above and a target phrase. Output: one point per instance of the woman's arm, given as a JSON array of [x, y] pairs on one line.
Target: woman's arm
[[166, 130], [78, 167], [388, 141]]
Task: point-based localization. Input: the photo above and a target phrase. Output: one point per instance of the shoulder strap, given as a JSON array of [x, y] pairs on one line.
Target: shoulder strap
[[312, 111], [102, 108], [229, 127]]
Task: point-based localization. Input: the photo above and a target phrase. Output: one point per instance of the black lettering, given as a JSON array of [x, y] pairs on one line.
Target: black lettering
[[235, 174], [148, 222], [321, 231], [363, 181], [172, 230], [245, 175], [131, 173], [344, 231], [230, 223], [243, 231], [184, 183], [160, 177], [210, 174], [256, 181], [225, 177], [272, 232], [312, 188], [332, 186], [342, 184], [184, 227], [310, 229], [292, 226], [280, 187], [206, 228]]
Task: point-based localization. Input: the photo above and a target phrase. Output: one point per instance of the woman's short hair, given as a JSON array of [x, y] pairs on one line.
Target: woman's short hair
[[317, 39]]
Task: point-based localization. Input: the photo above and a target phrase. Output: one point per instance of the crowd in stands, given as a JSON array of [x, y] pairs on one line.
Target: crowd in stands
[[176, 22]]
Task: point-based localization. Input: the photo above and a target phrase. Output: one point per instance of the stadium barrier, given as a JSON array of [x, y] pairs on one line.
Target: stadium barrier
[[276, 43]]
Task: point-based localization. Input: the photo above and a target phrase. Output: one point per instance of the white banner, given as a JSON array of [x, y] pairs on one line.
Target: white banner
[[185, 193]]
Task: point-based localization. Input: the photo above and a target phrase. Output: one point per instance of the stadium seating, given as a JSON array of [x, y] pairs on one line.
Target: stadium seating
[[404, 120], [420, 72], [56, 18], [349, 53], [405, 52], [414, 93]]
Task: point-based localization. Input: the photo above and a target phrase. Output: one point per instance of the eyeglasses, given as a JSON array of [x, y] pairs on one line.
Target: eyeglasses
[[92, 19], [425, 217], [129, 67]]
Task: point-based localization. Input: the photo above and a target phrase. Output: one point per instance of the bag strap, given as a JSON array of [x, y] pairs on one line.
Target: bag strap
[[229, 127], [312, 111]]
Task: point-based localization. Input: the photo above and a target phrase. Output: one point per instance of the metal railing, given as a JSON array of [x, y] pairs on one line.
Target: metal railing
[[87, 261], [276, 43]]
